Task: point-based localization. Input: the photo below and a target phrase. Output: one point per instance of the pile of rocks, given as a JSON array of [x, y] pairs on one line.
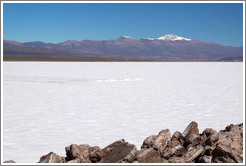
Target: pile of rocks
[[210, 146]]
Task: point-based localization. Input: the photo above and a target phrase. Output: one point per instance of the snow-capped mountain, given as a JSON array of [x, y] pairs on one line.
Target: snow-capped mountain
[[167, 47], [169, 37], [172, 37], [126, 37]]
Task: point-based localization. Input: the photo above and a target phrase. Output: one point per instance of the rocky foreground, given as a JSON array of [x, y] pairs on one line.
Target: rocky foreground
[[210, 146]]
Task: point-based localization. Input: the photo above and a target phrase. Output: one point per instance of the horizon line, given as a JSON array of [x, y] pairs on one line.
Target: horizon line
[[112, 39]]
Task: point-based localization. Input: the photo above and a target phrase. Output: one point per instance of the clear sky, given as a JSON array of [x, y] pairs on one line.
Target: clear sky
[[51, 22]]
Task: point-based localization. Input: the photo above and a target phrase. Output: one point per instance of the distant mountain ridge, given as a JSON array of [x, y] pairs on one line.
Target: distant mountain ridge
[[166, 48]]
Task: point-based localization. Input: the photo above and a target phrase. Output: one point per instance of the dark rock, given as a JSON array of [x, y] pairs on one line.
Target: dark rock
[[232, 127], [9, 161], [193, 139], [229, 147], [158, 142], [176, 135], [225, 154], [208, 150], [148, 142], [178, 151], [192, 128], [77, 160], [148, 156], [205, 159], [212, 139], [208, 132], [190, 135], [225, 146], [101, 153], [173, 143], [232, 137], [78, 151], [176, 159], [182, 141], [124, 153], [93, 151], [52, 158], [170, 148], [193, 153], [162, 139]]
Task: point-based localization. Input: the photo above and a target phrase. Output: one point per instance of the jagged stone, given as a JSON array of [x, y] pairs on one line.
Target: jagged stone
[[124, 153], [148, 142], [209, 131], [176, 159], [148, 156], [212, 139], [174, 143], [190, 135], [225, 146], [208, 150], [178, 151], [9, 161], [78, 151], [77, 160], [229, 147], [162, 139], [101, 153], [232, 137], [193, 153], [94, 149], [176, 135], [225, 154], [52, 158], [158, 142], [191, 128], [205, 159], [193, 139]]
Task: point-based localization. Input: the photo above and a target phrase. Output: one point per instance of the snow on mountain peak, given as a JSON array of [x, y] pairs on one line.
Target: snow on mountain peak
[[126, 37], [172, 37], [148, 38], [168, 37]]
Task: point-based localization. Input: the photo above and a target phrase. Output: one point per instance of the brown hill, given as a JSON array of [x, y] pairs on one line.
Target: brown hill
[[123, 49]]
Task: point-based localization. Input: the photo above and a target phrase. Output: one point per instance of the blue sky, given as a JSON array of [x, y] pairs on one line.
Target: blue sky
[[53, 22]]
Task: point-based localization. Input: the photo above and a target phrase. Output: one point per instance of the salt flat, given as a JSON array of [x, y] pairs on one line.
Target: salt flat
[[50, 105]]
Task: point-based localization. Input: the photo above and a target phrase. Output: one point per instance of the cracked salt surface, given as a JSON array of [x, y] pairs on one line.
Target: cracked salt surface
[[48, 106]]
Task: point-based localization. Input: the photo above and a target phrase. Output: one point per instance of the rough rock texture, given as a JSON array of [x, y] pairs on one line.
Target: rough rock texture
[[124, 153], [158, 142], [191, 134], [205, 159], [192, 128], [148, 156], [79, 152], [209, 131], [9, 161], [101, 153], [177, 150], [176, 135], [193, 153], [176, 159], [229, 147], [52, 158], [225, 146]]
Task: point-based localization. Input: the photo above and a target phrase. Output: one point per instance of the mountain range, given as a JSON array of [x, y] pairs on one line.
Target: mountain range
[[166, 48]]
